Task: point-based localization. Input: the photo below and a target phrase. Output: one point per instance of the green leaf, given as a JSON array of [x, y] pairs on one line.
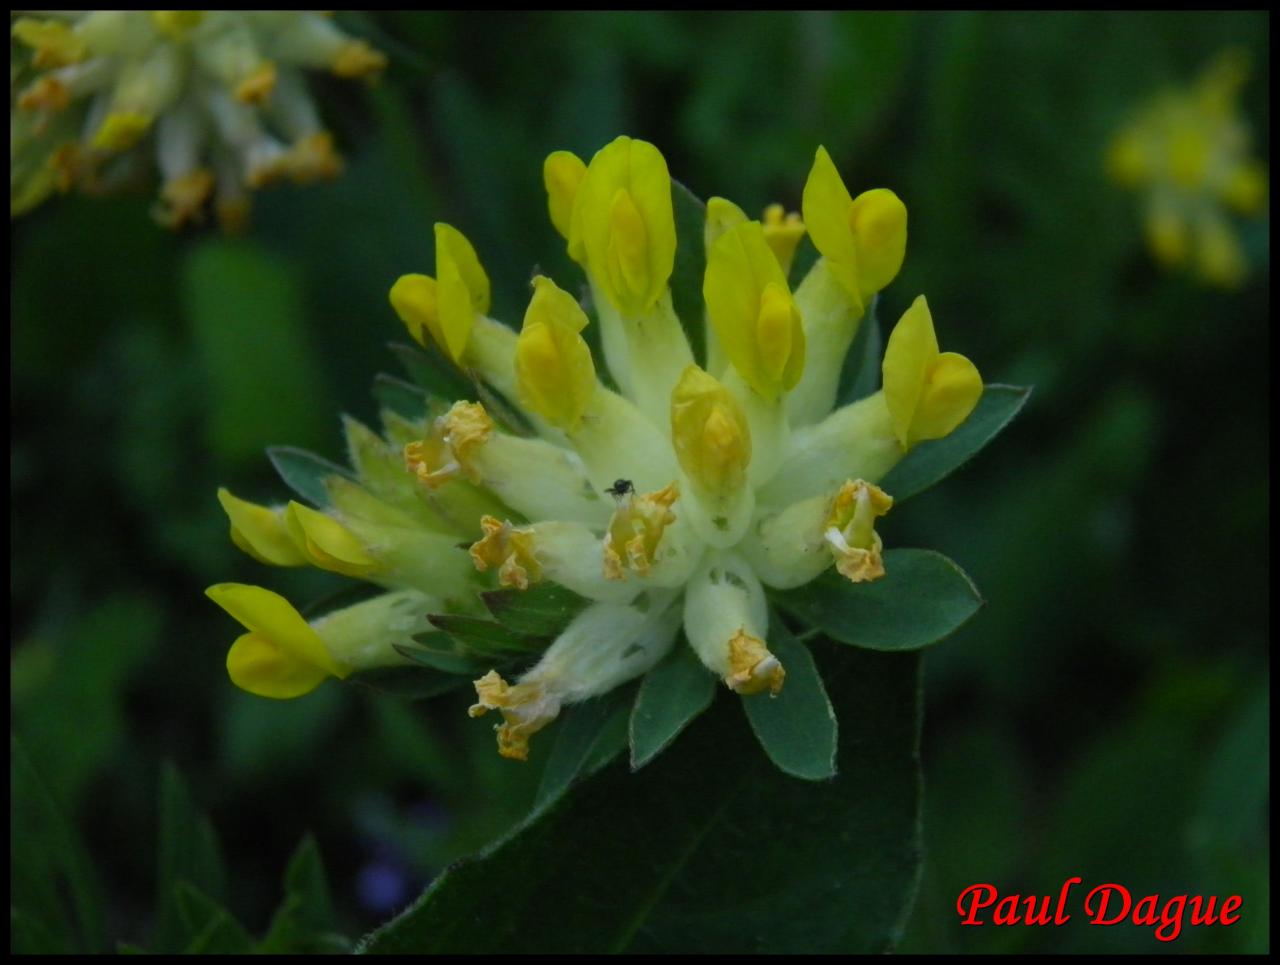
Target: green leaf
[[54, 904], [671, 695], [433, 373], [304, 921], [401, 397], [690, 266], [407, 683], [860, 376], [305, 472], [210, 928], [797, 728], [587, 736], [188, 851], [922, 598], [931, 462], [709, 848], [442, 653], [485, 636], [543, 610], [245, 310]]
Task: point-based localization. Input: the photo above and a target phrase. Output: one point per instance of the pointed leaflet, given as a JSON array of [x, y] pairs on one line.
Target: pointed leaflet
[[930, 462], [797, 728], [671, 695], [922, 598]]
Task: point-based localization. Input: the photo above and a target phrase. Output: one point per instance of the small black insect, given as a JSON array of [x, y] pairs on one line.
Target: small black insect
[[620, 488]]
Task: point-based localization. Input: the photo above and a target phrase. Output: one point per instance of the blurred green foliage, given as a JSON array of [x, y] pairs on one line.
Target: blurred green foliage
[[1106, 715]]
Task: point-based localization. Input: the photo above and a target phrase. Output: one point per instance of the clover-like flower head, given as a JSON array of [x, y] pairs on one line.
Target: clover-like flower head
[[219, 98], [650, 495]]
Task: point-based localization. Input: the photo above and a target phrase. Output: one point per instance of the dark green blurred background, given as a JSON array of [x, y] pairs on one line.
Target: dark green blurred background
[[1105, 716]]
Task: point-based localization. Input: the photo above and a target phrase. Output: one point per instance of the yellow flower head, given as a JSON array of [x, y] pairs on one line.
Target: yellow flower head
[[570, 473]]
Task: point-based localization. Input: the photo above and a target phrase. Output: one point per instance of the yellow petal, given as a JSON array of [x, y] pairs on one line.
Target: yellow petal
[[414, 299], [257, 665], [825, 205], [752, 312], [627, 223], [911, 350], [722, 215], [270, 616], [710, 433], [260, 531], [120, 131], [555, 375], [952, 390], [562, 174], [462, 289], [878, 219], [327, 543]]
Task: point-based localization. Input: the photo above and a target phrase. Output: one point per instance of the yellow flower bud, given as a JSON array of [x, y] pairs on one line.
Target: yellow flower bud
[[863, 239], [752, 312], [261, 531], [555, 376], [722, 215], [928, 392], [326, 543], [783, 233], [281, 656], [710, 434], [625, 215], [120, 131], [444, 307]]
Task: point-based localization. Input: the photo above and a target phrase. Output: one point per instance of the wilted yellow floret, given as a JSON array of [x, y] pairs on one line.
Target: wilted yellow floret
[[526, 709], [182, 199], [635, 529], [261, 531], [752, 667], [850, 530], [555, 376], [751, 309], [928, 392], [710, 434], [256, 88], [281, 656], [623, 207], [508, 548]]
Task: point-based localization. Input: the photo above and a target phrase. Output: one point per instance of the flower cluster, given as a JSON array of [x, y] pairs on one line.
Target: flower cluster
[[664, 485], [217, 97], [1190, 153]]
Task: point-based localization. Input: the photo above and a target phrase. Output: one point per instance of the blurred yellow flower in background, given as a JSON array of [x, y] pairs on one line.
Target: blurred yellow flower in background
[[217, 98], [1189, 152]]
